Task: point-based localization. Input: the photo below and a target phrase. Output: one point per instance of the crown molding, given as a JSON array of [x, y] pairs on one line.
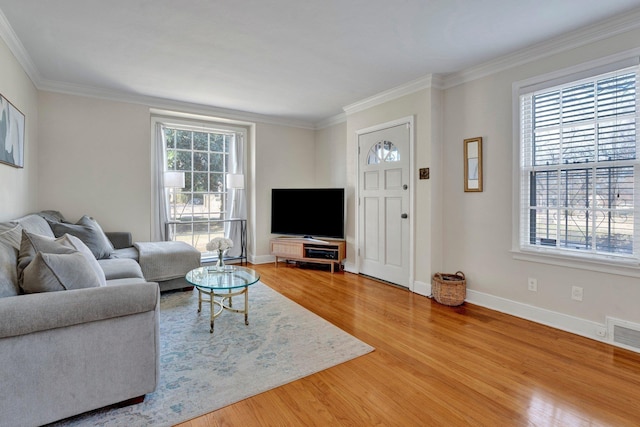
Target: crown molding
[[425, 82], [169, 104], [17, 49], [575, 39], [331, 121]]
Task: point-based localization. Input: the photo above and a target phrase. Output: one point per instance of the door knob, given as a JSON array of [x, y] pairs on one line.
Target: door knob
[[404, 216]]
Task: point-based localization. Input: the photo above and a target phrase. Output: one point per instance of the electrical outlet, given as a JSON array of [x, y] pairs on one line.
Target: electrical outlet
[[532, 284], [576, 293]]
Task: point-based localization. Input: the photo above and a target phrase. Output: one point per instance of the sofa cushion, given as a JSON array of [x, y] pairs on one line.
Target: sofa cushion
[[31, 244], [120, 268], [35, 224], [58, 272], [126, 253], [89, 231], [8, 272], [11, 234]]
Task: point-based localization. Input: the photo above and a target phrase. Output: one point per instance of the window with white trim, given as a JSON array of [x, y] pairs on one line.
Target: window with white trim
[[579, 166], [204, 203]]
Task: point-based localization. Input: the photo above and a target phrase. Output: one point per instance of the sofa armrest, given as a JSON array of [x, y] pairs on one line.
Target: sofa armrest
[[25, 314], [120, 239]]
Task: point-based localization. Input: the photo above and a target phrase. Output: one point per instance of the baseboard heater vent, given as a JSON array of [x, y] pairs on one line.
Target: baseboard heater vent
[[626, 334]]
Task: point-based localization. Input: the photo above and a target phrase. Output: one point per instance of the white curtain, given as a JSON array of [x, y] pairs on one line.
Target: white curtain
[[236, 198], [161, 213]]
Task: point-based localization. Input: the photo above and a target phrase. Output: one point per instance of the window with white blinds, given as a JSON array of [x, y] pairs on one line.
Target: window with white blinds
[[579, 176]]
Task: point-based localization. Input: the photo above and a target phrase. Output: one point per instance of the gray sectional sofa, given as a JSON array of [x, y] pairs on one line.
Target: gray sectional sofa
[[166, 263], [76, 333]]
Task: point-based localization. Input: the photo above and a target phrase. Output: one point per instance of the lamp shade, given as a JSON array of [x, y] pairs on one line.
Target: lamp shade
[[235, 181], [174, 179]]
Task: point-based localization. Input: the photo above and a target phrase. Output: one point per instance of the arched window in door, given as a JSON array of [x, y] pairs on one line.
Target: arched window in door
[[383, 151]]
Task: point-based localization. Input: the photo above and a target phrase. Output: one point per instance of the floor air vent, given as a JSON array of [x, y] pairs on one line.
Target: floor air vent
[[627, 334]]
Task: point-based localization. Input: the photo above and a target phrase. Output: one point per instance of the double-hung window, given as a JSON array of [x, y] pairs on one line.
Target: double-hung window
[[202, 204], [579, 175]]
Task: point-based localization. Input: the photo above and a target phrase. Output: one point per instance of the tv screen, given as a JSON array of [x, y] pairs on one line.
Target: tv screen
[[308, 212]]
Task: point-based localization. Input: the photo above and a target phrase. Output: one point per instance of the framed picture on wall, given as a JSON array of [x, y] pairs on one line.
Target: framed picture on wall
[[473, 164], [11, 134]]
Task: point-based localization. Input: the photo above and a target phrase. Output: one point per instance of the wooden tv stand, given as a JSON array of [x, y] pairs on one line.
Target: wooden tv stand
[[320, 251]]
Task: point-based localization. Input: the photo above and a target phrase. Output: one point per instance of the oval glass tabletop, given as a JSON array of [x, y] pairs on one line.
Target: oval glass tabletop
[[209, 278]]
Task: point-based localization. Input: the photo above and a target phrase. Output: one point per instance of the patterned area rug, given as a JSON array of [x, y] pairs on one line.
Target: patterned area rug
[[201, 372]]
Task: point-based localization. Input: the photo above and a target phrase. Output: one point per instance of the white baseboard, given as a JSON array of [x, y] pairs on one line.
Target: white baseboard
[[422, 288], [564, 322], [262, 259], [350, 267]]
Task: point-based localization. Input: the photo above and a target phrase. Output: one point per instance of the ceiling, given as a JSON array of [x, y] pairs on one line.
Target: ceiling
[[293, 59]]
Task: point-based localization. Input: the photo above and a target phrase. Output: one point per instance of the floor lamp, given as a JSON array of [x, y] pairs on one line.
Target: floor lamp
[[235, 181], [173, 180]]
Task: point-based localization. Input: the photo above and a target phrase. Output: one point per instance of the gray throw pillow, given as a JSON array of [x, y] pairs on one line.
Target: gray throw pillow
[[58, 272], [8, 275], [89, 231], [33, 243], [52, 216], [78, 245]]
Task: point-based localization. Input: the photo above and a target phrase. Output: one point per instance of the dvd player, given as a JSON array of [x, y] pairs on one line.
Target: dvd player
[[321, 253]]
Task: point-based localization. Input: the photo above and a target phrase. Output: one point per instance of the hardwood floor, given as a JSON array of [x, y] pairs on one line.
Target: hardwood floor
[[439, 366]]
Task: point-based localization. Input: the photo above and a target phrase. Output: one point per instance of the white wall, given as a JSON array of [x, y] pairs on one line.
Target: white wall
[[331, 156], [19, 186], [284, 157], [477, 226], [95, 159]]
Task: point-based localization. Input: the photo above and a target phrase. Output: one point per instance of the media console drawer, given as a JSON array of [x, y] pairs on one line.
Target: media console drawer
[[327, 251], [287, 249]]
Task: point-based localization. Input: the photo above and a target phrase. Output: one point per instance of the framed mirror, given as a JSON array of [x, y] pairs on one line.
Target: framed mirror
[[473, 164]]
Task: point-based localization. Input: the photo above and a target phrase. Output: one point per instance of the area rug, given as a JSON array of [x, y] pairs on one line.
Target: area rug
[[201, 372]]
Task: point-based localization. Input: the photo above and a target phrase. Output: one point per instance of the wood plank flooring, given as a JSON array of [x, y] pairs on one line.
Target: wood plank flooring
[[439, 366]]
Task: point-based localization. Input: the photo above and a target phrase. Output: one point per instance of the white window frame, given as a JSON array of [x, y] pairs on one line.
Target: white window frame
[[196, 123], [623, 265]]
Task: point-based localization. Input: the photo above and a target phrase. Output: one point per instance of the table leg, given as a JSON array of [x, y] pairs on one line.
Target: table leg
[[211, 298], [246, 305], [221, 303]]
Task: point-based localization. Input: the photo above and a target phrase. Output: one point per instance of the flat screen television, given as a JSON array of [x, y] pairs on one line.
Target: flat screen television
[[308, 212]]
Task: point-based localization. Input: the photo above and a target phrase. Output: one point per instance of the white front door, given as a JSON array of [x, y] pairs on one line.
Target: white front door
[[384, 202]]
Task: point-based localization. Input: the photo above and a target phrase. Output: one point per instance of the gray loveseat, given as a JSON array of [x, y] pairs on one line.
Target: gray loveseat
[[67, 352]]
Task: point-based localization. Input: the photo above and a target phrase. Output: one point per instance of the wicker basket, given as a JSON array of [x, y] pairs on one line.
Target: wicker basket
[[449, 289]]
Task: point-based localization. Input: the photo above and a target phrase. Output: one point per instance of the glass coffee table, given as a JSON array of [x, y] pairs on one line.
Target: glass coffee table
[[221, 286]]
